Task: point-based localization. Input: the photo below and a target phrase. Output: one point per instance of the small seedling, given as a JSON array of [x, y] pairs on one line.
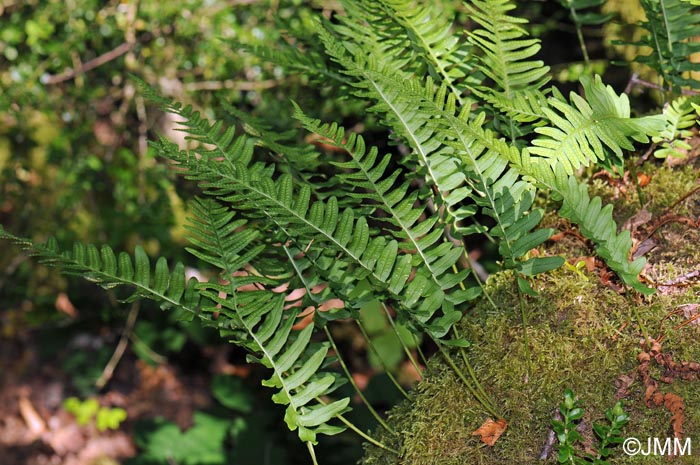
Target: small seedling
[[89, 409], [608, 434]]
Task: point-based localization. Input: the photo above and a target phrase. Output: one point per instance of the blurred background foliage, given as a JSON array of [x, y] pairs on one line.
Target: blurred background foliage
[[75, 163]]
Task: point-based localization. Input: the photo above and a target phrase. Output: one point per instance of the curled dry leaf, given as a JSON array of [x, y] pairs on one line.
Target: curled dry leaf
[[491, 430], [64, 305]]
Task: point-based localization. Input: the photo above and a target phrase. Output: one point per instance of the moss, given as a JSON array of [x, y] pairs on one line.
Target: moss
[[582, 335]]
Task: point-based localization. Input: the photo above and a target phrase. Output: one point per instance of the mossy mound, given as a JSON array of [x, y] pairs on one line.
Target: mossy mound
[[582, 335]]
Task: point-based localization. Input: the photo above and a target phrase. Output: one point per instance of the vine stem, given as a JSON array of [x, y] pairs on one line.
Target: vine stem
[[366, 437], [359, 392], [579, 35], [526, 337], [476, 392], [370, 344], [403, 344]]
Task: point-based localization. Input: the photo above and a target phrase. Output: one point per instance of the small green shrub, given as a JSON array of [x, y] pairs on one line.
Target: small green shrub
[[609, 434]]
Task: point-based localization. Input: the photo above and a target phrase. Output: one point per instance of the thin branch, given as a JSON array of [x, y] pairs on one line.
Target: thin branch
[[104, 58], [231, 84], [635, 80], [121, 346], [87, 66]]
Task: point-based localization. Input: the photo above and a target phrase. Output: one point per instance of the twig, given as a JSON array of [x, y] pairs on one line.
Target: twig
[[104, 58], [551, 437], [87, 66], [121, 347], [231, 84], [634, 80]]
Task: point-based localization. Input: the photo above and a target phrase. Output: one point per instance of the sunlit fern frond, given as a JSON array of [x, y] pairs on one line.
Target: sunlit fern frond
[[588, 129]]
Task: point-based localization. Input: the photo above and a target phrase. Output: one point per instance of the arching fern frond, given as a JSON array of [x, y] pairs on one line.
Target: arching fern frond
[[506, 59], [432, 257], [596, 222], [104, 268], [680, 116], [672, 26], [223, 169], [488, 180], [584, 131]]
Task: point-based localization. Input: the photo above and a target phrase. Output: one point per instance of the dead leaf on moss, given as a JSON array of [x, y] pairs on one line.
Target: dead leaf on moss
[[691, 311], [643, 179], [491, 430], [623, 383]]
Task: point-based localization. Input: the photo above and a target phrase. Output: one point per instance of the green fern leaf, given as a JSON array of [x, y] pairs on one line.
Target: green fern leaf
[[672, 25], [680, 116], [101, 267], [580, 133]]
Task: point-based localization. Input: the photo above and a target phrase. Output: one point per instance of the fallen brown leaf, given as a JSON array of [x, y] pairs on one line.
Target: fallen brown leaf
[[34, 422], [64, 305], [491, 430]]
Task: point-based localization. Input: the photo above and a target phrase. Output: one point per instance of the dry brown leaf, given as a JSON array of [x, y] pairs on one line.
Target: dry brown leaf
[[64, 305], [643, 179], [690, 311], [33, 420], [491, 430]]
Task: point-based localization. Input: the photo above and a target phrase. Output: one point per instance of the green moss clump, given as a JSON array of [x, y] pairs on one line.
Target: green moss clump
[[582, 335]]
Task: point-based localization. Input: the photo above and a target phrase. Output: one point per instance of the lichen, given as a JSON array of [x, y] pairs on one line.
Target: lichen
[[582, 335]]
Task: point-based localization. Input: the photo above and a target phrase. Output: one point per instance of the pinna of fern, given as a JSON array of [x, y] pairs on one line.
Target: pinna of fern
[[672, 27]]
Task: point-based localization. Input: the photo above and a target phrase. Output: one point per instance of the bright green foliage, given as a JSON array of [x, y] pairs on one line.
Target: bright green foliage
[[506, 59], [583, 132], [608, 434], [389, 226], [201, 444], [680, 116], [672, 27], [90, 409]]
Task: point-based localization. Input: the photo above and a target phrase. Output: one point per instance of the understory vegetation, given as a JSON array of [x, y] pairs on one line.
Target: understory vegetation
[[387, 191]]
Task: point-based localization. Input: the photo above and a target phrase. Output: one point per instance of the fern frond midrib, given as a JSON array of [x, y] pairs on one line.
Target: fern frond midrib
[[433, 58], [111, 278], [294, 214], [399, 115]]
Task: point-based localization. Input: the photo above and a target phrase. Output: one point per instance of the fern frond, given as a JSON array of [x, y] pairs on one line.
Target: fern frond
[[378, 84], [580, 133], [433, 43], [680, 116], [301, 59], [432, 257], [672, 25], [257, 321], [596, 222], [506, 59], [489, 183], [264, 328], [222, 168], [104, 268]]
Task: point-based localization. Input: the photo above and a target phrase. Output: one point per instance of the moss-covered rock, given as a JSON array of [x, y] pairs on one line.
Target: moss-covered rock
[[581, 334]]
